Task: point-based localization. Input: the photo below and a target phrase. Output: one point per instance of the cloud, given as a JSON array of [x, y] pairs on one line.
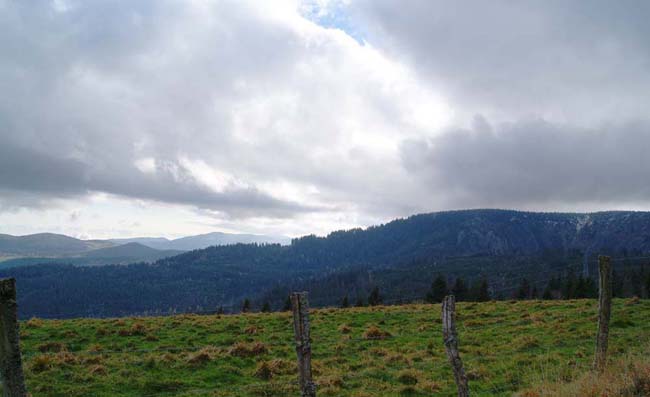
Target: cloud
[[41, 174], [570, 61], [244, 109], [534, 164], [298, 116], [75, 216]]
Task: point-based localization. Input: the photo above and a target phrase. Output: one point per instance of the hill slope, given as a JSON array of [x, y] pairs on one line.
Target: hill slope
[[125, 253], [116, 254], [47, 244], [505, 346]]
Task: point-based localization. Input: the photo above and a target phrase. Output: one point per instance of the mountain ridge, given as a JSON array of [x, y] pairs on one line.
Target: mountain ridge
[[402, 255], [54, 245], [205, 240]]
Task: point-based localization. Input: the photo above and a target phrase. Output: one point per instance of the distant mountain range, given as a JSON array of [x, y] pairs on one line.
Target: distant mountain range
[[401, 257], [47, 244], [58, 248], [204, 240]]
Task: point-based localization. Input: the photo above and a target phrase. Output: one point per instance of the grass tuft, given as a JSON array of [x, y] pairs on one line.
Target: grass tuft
[[373, 333]]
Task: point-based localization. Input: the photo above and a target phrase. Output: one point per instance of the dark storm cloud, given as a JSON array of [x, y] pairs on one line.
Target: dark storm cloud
[[535, 162]]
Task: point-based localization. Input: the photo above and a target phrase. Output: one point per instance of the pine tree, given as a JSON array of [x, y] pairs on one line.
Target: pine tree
[[359, 302], [438, 290], [580, 290], [534, 294], [524, 290], [266, 307], [246, 306], [618, 284], [479, 291], [287, 304], [483, 291], [220, 310], [569, 289], [345, 303], [374, 299], [548, 294], [636, 283], [591, 290], [460, 290]]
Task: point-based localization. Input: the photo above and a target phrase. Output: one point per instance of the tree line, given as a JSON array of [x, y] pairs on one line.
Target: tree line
[[570, 286]]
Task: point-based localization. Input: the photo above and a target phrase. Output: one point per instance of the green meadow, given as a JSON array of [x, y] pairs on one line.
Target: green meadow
[[506, 346]]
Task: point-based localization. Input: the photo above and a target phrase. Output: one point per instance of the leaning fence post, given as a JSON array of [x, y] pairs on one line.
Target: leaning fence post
[[300, 308], [604, 311], [13, 380], [450, 338]]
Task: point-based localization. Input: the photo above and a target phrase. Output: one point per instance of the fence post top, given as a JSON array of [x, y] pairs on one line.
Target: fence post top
[[7, 286]]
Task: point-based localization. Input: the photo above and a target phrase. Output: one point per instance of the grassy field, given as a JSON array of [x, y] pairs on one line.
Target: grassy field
[[506, 347]]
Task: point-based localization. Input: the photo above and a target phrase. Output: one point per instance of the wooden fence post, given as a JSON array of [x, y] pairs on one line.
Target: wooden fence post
[[604, 311], [300, 308], [450, 338], [13, 380]]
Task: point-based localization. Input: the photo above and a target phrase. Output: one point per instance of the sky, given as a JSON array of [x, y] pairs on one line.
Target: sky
[[172, 118]]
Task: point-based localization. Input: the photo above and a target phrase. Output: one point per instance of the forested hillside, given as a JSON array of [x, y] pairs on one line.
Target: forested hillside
[[401, 258]]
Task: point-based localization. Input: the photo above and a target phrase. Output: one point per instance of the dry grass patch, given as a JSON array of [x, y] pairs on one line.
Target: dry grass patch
[[97, 370], [34, 323], [92, 360], [41, 363], [52, 347], [65, 357], [203, 356], [137, 329], [408, 377], [627, 377], [243, 349], [266, 370], [374, 333], [526, 342], [252, 330]]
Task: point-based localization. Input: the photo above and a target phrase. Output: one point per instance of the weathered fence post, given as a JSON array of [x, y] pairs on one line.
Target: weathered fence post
[[450, 338], [300, 308], [13, 380], [604, 311]]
